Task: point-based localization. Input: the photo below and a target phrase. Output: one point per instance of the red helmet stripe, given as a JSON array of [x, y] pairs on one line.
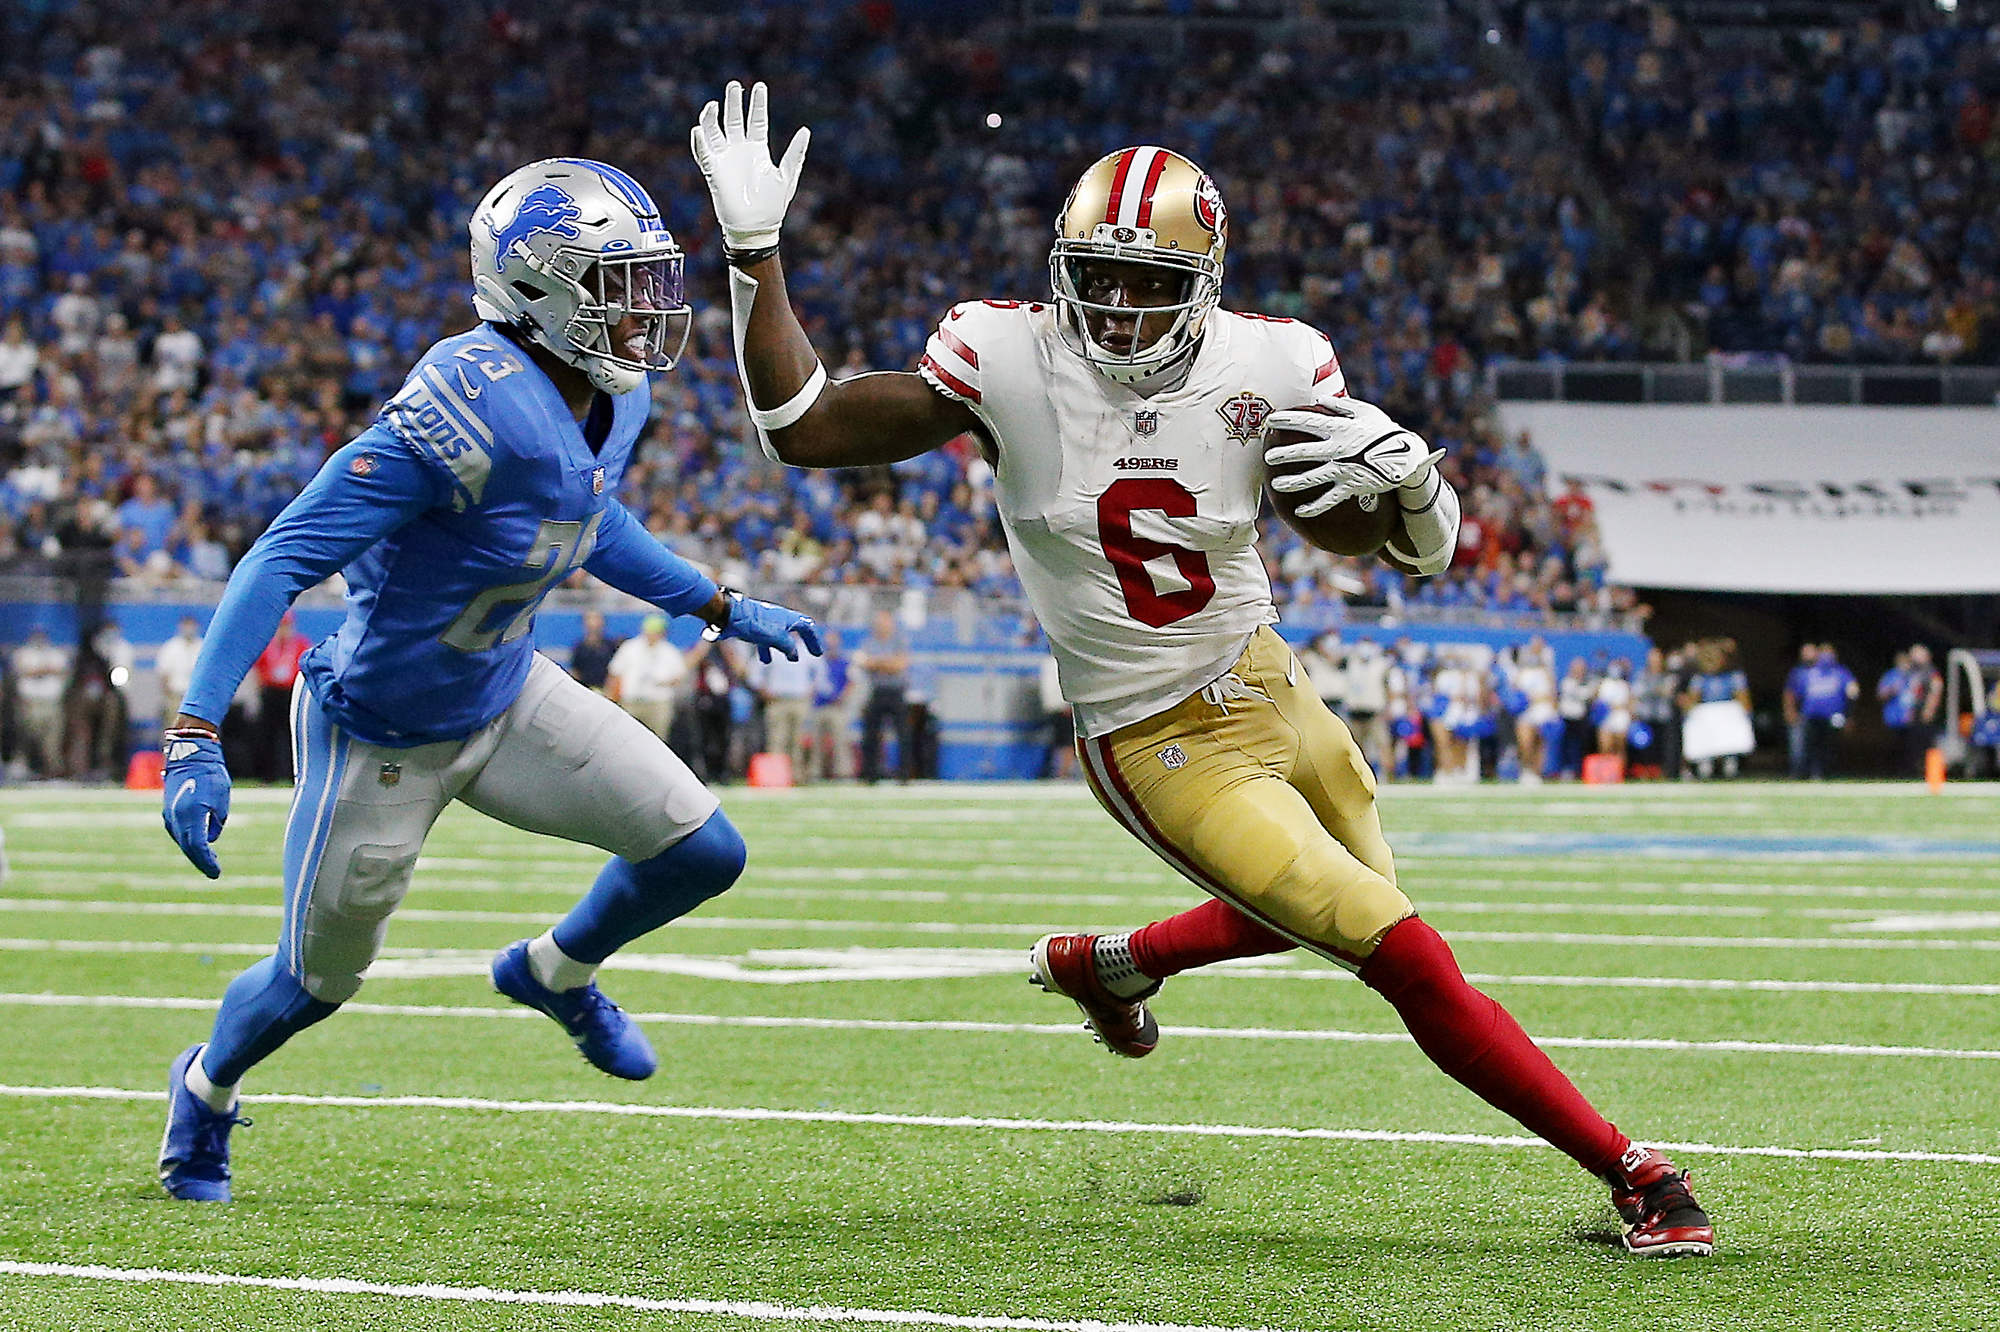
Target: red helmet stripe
[[1153, 174], [1118, 185]]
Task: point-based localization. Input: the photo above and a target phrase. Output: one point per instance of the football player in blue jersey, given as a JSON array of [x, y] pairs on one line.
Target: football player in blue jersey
[[485, 481]]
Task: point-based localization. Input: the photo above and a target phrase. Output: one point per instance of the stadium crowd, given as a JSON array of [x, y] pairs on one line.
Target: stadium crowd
[[1832, 196], [226, 226]]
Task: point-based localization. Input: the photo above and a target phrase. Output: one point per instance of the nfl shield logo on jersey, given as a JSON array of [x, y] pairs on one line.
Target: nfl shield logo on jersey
[[1244, 416], [597, 482], [390, 774], [1173, 756], [1145, 423]]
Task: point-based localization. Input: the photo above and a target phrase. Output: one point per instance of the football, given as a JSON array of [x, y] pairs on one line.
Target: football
[[1355, 527]]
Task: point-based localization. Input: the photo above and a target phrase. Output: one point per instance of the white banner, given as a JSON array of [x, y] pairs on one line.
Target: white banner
[[1783, 499]]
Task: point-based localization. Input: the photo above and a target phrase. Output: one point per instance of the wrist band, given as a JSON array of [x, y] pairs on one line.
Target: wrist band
[[777, 418], [745, 258], [189, 733], [1432, 484], [730, 596]]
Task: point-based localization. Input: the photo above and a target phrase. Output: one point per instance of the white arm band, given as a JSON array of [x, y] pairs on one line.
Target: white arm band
[[1430, 521], [743, 295], [777, 418]]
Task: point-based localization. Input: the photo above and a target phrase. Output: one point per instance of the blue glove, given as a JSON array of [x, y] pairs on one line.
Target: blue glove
[[768, 627], [197, 797]]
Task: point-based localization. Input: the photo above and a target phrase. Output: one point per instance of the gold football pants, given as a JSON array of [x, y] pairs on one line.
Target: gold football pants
[[1260, 796]]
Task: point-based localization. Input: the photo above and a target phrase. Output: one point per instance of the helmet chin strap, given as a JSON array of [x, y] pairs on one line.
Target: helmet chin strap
[[612, 379], [1154, 379]]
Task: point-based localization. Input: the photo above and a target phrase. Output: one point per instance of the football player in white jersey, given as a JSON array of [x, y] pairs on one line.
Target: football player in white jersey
[[1124, 416]]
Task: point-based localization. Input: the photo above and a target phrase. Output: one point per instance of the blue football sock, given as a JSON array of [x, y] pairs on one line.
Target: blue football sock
[[261, 1010], [630, 899]]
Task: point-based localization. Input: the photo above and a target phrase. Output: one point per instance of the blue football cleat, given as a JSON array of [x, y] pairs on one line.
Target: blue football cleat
[[194, 1154], [611, 1041]]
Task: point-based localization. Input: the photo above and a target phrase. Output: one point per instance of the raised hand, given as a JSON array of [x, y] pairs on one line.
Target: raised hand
[[750, 192]]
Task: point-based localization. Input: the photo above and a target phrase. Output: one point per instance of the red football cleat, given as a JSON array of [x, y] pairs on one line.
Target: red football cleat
[[1662, 1219], [1065, 964]]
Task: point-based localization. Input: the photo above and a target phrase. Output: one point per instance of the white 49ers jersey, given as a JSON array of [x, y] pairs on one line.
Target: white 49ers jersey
[[1132, 519]]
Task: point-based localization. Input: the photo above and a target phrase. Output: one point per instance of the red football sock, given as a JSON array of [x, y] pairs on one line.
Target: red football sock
[[1212, 932], [1476, 1041]]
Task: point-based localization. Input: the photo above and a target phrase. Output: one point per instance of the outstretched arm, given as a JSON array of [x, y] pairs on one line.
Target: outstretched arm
[[628, 558], [883, 417], [804, 419], [361, 494]]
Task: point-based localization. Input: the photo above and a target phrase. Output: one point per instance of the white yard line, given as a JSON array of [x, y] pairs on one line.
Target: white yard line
[[1063, 1029], [1470, 906], [452, 873], [764, 1114], [759, 1310], [1719, 941]]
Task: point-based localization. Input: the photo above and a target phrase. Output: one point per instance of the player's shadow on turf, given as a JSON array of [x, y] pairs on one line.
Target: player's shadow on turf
[[1607, 1236]]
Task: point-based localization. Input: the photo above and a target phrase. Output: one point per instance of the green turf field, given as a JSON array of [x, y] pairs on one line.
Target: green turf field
[[865, 1116]]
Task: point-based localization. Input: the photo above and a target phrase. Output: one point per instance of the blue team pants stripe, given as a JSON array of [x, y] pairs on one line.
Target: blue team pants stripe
[[319, 750]]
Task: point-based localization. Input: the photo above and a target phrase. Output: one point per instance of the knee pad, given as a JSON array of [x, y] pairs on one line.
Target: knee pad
[[347, 917]]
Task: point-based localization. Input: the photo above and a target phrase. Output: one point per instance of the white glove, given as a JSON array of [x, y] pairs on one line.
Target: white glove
[[750, 193], [1355, 449]]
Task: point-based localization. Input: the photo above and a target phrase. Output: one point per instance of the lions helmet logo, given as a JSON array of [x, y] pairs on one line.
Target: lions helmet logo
[[546, 208], [1208, 206]]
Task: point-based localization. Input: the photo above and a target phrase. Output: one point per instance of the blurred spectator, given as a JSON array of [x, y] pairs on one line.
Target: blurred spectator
[[590, 658], [1794, 709], [1657, 718], [645, 674], [1325, 665], [1613, 707], [174, 664], [1366, 690], [715, 679], [39, 668], [1911, 693], [921, 722], [833, 713], [18, 359], [277, 670], [145, 523], [885, 656], [1715, 707], [786, 688], [1575, 694], [1537, 719], [1827, 699], [93, 705]]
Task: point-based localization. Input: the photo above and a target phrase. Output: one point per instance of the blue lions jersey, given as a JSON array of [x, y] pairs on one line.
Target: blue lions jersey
[[474, 492]]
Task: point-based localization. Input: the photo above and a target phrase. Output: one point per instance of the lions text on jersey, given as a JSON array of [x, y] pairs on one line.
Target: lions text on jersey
[[473, 494]]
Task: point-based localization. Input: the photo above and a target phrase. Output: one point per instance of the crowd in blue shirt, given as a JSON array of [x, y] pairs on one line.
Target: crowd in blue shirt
[[227, 228], [1827, 194]]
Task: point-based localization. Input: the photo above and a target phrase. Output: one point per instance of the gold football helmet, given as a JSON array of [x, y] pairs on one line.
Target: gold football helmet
[[1138, 206]]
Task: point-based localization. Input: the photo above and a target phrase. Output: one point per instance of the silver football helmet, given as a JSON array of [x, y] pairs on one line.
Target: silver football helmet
[[566, 250]]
